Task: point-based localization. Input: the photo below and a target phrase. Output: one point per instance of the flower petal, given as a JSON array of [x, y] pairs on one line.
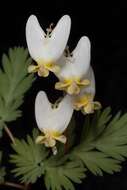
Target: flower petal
[[43, 72], [89, 109], [62, 114], [81, 56], [52, 119], [40, 139], [73, 89], [79, 63], [97, 105], [59, 37], [33, 68], [35, 38], [42, 110], [44, 48], [91, 88], [61, 138]]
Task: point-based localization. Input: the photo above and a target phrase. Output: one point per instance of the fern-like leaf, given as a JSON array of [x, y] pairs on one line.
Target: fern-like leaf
[[113, 140], [58, 177], [32, 161], [103, 142], [14, 82], [28, 159]]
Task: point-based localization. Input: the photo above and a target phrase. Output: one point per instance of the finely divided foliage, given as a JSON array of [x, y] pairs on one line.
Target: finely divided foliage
[[103, 142], [102, 148], [34, 160], [29, 159], [14, 82]]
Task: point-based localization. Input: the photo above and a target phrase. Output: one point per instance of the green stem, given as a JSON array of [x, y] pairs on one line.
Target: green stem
[[15, 185], [9, 133]]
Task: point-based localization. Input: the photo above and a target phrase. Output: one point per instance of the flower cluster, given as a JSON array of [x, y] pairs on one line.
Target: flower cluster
[[76, 78]]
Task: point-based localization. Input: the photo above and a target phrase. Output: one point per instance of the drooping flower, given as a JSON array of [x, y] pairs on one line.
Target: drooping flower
[[46, 49], [73, 71], [85, 100], [52, 120]]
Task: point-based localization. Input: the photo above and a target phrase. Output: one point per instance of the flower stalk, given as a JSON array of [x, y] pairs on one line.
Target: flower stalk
[[9, 133]]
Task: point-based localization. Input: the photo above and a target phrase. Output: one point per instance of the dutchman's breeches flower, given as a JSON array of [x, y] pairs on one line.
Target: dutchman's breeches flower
[[52, 120], [85, 100], [74, 68], [46, 49]]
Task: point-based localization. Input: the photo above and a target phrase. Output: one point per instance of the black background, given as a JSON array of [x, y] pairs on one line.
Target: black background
[[105, 24]]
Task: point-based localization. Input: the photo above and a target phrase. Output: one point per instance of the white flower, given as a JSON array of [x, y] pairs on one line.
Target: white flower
[[85, 100], [52, 120], [44, 48], [72, 74]]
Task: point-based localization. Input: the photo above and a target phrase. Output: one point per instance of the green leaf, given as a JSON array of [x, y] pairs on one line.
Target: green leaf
[[14, 83], [103, 144], [94, 126], [102, 148], [113, 141], [28, 159], [32, 161], [61, 176], [97, 162]]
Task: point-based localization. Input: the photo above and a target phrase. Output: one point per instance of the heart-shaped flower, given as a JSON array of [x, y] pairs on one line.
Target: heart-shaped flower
[[44, 48], [74, 68], [52, 120], [85, 100]]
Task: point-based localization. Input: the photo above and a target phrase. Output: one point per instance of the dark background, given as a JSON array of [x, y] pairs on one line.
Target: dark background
[[105, 24]]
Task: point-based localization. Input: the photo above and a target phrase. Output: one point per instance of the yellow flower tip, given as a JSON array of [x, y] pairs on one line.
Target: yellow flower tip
[[40, 140], [72, 86], [86, 104], [91, 107], [40, 69], [97, 105], [55, 69], [43, 72], [32, 68], [43, 68], [73, 89], [49, 139], [84, 82], [61, 139], [88, 109], [52, 67], [61, 85]]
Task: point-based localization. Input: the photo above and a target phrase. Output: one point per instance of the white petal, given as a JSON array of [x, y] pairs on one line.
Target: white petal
[[42, 110], [79, 64], [67, 68], [47, 49], [62, 115], [81, 55], [91, 88], [56, 119], [59, 37], [35, 37]]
